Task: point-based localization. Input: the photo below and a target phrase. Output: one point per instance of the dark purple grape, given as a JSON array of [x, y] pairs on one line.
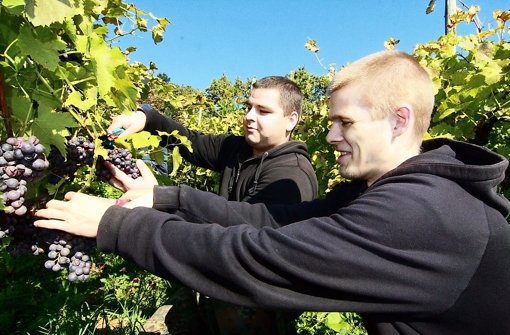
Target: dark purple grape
[[17, 204], [39, 164], [65, 251], [12, 195], [49, 264], [7, 147], [21, 211], [9, 156], [11, 140], [39, 149], [11, 182], [18, 154], [27, 148]]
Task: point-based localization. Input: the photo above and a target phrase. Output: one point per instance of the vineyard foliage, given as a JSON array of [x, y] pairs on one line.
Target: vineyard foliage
[[62, 76]]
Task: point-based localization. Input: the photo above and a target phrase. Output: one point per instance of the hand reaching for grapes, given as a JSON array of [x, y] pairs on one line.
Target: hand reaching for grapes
[[125, 183], [131, 123], [74, 215]]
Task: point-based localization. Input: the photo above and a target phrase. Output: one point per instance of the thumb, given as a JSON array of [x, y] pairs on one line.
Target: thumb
[[146, 172]]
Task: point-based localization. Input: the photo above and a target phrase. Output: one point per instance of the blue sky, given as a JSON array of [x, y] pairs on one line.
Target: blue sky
[[245, 39]]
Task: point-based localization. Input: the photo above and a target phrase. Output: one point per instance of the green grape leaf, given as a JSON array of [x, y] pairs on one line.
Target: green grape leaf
[[158, 156], [492, 73], [20, 107], [51, 127], [335, 322], [105, 60], [14, 7], [144, 139], [176, 161], [129, 93], [44, 13], [82, 102], [42, 45]]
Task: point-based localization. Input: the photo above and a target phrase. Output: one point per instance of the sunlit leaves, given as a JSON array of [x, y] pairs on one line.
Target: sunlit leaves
[[312, 45], [50, 127], [42, 45], [431, 6], [44, 13], [471, 76], [391, 43], [501, 17]]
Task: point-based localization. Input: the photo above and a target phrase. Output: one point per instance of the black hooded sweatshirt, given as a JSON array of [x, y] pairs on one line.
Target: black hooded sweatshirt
[[283, 174], [423, 250]]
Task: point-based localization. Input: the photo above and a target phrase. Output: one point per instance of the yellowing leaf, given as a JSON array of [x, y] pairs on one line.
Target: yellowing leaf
[[82, 102], [430, 7], [312, 45], [390, 43], [144, 139], [44, 13], [492, 73], [176, 161]]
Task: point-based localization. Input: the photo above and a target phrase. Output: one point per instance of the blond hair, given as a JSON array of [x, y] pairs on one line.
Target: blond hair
[[391, 79]]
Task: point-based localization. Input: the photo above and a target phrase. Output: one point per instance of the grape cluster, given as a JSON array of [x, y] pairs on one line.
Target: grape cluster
[[27, 239], [80, 152], [59, 257], [123, 159], [20, 161]]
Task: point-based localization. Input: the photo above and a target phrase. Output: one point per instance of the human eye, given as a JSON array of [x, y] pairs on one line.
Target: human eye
[[346, 123]]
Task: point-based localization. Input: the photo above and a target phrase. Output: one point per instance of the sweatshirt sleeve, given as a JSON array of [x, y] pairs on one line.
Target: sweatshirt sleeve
[[205, 207], [364, 257], [206, 148]]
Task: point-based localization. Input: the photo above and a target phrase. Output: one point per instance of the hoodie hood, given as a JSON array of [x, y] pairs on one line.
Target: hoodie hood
[[477, 169], [295, 147]]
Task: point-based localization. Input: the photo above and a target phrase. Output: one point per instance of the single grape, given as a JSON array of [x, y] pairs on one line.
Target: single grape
[[39, 164], [21, 211], [12, 195], [11, 182], [27, 148]]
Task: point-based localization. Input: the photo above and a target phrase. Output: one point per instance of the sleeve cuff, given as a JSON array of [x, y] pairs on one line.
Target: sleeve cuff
[[166, 198]]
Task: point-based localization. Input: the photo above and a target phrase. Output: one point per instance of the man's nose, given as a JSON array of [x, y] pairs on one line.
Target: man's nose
[[334, 135], [250, 115]]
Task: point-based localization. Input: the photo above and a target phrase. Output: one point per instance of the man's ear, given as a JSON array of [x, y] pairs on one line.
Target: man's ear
[[293, 120], [402, 120]]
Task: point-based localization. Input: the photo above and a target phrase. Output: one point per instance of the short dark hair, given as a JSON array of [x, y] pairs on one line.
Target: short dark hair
[[291, 98]]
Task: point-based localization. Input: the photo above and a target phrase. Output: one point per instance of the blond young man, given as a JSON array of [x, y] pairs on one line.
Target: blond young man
[[417, 242]]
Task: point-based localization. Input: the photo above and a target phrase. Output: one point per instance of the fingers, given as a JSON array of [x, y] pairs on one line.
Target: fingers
[[51, 213], [51, 224], [119, 179], [146, 173], [131, 123]]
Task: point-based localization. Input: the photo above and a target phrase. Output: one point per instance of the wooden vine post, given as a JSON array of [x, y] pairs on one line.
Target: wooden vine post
[[3, 105]]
